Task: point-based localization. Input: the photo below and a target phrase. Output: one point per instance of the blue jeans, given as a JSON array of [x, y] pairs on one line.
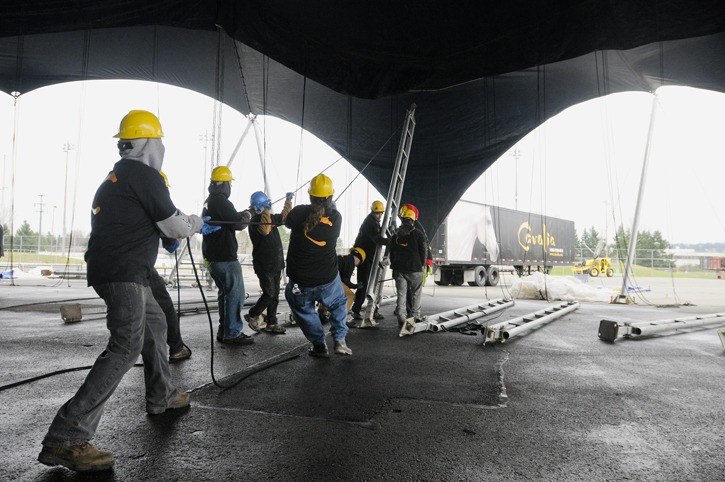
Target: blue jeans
[[228, 277], [137, 326], [303, 306]]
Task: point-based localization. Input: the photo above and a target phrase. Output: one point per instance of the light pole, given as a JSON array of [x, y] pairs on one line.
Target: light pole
[[67, 147], [40, 221], [516, 154]]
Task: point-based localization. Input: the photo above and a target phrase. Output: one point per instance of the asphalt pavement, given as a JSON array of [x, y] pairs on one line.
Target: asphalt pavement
[[556, 403]]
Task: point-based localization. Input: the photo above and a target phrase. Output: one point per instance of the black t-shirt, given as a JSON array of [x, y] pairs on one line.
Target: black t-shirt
[[267, 253], [311, 256], [222, 245], [407, 249], [346, 266], [124, 238], [369, 230]]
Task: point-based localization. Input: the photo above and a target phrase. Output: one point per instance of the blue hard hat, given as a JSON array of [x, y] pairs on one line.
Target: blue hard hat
[[259, 201]]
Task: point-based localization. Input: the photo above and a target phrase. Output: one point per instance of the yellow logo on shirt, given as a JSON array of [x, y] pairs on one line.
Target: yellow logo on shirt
[[318, 243], [323, 220]]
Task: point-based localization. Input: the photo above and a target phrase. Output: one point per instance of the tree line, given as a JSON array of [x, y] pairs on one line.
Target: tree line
[[652, 242]]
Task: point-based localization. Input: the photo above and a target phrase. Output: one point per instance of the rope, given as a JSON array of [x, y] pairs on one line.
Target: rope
[[302, 130], [241, 74], [368, 163], [217, 110]]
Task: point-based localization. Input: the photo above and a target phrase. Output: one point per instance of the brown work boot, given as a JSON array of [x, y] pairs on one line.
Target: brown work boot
[[180, 400], [275, 329], [341, 348], [180, 355], [82, 457], [256, 323]]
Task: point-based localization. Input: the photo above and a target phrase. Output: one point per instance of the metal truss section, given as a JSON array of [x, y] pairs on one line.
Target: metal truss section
[[500, 332], [609, 330], [449, 319]]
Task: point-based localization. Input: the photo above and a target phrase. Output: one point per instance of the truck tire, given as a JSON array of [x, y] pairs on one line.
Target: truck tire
[[519, 270], [445, 278], [594, 272], [492, 276], [610, 272], [480, 275]]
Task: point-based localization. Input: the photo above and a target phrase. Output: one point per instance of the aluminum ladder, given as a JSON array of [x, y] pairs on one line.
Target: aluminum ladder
[[395, 192]]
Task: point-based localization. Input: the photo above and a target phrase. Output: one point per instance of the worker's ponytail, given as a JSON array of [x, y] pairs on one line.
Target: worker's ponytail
[[319, 206]]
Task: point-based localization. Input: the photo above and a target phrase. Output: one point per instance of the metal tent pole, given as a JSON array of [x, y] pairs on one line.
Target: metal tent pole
[[623, 297]]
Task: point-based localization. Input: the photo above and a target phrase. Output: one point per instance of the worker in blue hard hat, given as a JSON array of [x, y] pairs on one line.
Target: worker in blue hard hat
[[267, 260]]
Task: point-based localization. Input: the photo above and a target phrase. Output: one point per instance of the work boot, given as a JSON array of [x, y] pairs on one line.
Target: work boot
[[82, 457], [180, 355], [319, 351], [253, 322], [242, 339], [180, 400], [275, 329], [341, 348], [356, 315]]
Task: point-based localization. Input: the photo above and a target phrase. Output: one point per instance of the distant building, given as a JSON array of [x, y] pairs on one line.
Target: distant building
[[690, 257]]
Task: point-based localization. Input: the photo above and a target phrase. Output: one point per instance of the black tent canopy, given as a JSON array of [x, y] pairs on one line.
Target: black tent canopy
[[482, 75]]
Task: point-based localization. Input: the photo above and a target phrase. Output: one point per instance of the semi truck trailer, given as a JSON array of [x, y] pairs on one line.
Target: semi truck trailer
[[478, 241]]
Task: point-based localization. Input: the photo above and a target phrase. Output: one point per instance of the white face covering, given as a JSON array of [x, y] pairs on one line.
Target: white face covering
[[145, 150]]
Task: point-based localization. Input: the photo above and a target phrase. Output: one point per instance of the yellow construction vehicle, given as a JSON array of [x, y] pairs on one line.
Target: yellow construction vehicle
[[597, 265]]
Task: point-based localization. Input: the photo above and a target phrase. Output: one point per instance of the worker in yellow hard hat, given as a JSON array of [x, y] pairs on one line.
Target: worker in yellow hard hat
[[312, 268], [407, 260], [428, 270], [368, 237], [131, 210], [220, 255]]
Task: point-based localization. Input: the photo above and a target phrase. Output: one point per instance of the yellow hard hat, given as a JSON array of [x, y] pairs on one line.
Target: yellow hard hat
[[377, 207], [221, 173], [321, 186], [166, 179], [407, 213], [139, 124], [412, 208], [360, 251]]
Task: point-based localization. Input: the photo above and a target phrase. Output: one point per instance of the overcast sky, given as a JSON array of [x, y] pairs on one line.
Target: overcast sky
[[585, 164]]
